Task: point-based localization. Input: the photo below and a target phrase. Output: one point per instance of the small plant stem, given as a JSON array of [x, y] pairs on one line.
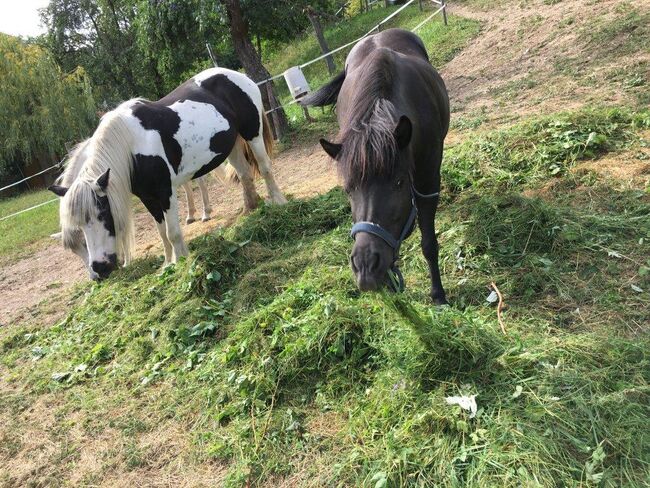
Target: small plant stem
[[499, 308]]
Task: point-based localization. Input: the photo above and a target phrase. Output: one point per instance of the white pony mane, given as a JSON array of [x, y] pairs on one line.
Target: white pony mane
[[108, 148]]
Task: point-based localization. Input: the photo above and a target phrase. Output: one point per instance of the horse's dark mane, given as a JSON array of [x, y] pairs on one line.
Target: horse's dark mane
[[369, 146]]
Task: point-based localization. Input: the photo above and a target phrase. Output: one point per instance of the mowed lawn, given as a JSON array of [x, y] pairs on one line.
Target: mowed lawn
[[20, 234]]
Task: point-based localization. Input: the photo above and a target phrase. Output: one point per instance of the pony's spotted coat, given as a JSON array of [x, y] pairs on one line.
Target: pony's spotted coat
[[150, 148]]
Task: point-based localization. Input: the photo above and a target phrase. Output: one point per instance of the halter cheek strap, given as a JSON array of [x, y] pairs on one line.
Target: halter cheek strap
[[397, 279]]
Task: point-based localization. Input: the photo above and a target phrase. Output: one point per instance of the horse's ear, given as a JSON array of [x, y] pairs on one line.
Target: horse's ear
[[403, 132], [331, 148], [102, 181], [59, 191]]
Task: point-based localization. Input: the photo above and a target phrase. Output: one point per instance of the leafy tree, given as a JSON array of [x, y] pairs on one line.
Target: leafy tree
[[101, 36], [41, 107]]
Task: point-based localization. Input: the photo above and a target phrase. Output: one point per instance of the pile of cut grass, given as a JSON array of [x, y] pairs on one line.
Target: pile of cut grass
[[260, 343]]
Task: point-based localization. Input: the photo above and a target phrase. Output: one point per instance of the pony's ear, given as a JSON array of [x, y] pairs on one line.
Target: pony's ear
[[102, 181], [331, 148], [59, 191], [403, 132]]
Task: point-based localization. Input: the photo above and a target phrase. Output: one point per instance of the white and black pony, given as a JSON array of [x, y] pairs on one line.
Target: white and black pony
[[393, 112], [148, 149], [75, 160]]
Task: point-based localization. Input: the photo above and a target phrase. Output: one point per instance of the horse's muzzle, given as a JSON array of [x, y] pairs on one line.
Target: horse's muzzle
[[369, 264], [103, 269]]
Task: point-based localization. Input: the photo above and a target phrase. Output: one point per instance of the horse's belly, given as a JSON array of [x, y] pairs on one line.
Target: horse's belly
[[200, 130]]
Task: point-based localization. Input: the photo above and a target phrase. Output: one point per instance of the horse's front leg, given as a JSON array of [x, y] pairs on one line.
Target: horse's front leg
[[162, 230], [205, 197], [426, 220], [156, 210], [191, 208], [173, 226]]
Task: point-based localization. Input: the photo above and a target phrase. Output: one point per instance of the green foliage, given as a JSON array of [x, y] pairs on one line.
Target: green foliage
[[102, 37], [261, 342], [41, 107], [539, 149]]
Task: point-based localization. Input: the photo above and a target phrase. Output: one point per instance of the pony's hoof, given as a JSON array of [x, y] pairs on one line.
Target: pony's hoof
[[279, 200], [205, 219], [188, 221], [439, 301]]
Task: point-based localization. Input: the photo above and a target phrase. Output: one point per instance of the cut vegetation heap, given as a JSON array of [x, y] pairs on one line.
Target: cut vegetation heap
[[261, 345]]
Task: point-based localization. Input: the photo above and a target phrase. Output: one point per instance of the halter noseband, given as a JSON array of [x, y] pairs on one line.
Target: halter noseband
[[396, 278]]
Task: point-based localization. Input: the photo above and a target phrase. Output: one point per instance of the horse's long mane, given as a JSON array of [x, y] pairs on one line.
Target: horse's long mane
[[73, 163], [369, 146], [109, 147]]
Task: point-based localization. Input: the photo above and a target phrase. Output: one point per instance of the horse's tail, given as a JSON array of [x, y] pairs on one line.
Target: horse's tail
[[267, 133], [229, 173], [326, 95]]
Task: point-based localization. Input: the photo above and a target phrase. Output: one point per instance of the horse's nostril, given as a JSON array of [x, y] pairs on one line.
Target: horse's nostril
[[355, 268], [102, 268]]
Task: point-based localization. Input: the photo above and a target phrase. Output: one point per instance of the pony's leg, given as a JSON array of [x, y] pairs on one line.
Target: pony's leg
[[238, 160], [173, 226], [264, 163], [162, 230], [156, 211], [205, 197], [426, 220], [191, 208]]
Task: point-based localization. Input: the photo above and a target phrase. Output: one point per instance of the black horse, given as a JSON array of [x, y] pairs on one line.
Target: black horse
[[393, 114]]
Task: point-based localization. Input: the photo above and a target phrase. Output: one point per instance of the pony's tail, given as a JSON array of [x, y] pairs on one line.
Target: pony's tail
[[267, 133], [326, 95], [228, 173]]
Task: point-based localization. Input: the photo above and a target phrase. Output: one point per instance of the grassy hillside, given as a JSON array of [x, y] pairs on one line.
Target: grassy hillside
[[442, 43], [260, 346]]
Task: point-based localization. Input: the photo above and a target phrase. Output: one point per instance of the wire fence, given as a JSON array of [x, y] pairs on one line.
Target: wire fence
[[376, 28], [442, 9], [54, 166]]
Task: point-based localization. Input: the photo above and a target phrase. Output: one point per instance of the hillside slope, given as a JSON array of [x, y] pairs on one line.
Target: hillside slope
[[256, 362]]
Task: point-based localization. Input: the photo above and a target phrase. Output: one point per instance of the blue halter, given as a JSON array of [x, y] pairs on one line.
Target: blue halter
[[395, 275]]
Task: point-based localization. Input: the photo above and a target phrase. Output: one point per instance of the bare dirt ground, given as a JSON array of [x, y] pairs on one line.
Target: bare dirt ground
[[517, 66], [535, 57]]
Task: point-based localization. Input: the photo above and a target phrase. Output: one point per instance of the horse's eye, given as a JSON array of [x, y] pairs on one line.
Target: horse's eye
[[398, 184]]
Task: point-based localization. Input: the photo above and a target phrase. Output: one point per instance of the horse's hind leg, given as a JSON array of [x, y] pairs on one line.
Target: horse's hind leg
[[191, 208], [426, 221], [238, 160], [264, 164], [205, 197]]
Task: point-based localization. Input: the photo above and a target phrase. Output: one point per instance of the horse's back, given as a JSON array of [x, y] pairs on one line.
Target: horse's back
[[397, 40], [233, 94]]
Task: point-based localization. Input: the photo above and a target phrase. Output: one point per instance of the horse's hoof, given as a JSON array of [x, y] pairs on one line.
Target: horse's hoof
[[205, 219], [280, 200], [188, 221], [439, 300]]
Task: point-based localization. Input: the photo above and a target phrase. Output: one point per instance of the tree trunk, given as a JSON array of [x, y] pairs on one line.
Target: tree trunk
[[315, 22], [250, 60]]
